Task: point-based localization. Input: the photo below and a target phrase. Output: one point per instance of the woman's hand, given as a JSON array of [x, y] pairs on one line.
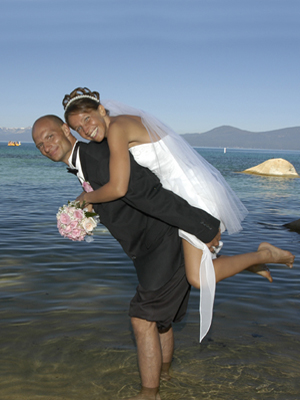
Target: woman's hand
[[82, 200], [89, 208], [214, 243]]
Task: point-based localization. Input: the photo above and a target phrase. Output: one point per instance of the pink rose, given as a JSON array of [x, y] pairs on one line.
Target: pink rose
[[64, 219], [71, 210], [68, 228], [78, 214], [74, 224], [75, 234], [87, 187]]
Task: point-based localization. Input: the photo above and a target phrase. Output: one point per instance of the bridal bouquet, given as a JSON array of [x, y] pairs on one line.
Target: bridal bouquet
[[75, 222]]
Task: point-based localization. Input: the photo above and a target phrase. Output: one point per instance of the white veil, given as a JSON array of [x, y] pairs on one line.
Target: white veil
[[219, 198], [208, 190]]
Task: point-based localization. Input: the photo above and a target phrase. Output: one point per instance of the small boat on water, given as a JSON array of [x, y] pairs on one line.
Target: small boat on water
[[11, 143]]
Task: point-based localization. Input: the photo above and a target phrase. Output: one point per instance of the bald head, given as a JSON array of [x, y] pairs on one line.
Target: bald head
[[48, 118], [53, 138]]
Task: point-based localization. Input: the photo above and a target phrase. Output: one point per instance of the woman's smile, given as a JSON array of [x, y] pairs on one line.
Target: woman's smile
[[94, 133]]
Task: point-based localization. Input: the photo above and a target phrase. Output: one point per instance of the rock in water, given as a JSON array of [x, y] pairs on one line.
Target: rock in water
[[293, 226], [274, 167]]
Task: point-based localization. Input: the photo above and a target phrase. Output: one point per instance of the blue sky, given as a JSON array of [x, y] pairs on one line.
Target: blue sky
[[196, 64]]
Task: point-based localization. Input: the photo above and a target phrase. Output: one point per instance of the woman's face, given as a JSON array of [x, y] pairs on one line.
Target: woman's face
[[90, 124]]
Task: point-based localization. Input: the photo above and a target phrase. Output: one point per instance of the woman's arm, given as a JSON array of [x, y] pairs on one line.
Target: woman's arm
[[119, 170]]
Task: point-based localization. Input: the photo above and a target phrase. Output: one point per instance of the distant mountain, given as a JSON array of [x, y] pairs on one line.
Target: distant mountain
[[15, 134], [224, 136], [228, 136]]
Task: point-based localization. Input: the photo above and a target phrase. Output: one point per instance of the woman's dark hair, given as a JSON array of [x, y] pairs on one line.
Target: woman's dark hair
[[90, 101]]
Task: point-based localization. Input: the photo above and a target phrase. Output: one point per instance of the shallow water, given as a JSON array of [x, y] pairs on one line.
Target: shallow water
[[65, 333]]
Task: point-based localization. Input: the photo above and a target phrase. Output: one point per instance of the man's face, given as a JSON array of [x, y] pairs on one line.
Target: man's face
[[51, 139]]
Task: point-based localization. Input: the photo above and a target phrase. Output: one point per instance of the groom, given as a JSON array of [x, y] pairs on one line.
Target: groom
[[145, 222]]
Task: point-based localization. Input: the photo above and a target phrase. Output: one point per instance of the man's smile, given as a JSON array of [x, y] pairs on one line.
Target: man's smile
[[51, 153]]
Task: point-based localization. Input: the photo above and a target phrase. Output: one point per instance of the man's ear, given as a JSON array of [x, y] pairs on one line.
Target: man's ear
[[66, 130]]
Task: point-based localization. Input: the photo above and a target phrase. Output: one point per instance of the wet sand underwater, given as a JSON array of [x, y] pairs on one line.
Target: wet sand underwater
[[65, 334]]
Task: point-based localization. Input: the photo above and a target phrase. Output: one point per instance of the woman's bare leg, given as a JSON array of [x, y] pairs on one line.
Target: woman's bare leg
[[227, 266], [262, 270], [192, 260]]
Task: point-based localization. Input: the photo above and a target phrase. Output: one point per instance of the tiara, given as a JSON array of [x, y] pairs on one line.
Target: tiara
[[81, 96]]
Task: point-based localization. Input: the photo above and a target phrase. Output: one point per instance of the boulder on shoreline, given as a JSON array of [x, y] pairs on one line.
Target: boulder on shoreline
[[274, 167]]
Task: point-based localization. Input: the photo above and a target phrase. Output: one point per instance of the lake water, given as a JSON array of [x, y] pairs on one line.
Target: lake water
[[64, 329]]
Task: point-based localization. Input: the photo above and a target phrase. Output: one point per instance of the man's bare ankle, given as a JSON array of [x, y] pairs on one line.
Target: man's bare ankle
[[165, 371], [147, 394], [149, 391]]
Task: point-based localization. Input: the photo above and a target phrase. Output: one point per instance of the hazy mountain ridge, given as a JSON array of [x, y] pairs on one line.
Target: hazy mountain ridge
[[223, 136], [228, 136]]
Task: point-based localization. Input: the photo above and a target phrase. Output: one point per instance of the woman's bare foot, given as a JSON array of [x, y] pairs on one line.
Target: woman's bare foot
[[261, 269], [276, 255]]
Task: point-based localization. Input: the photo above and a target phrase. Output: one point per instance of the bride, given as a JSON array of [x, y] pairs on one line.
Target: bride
[[180, 169]]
